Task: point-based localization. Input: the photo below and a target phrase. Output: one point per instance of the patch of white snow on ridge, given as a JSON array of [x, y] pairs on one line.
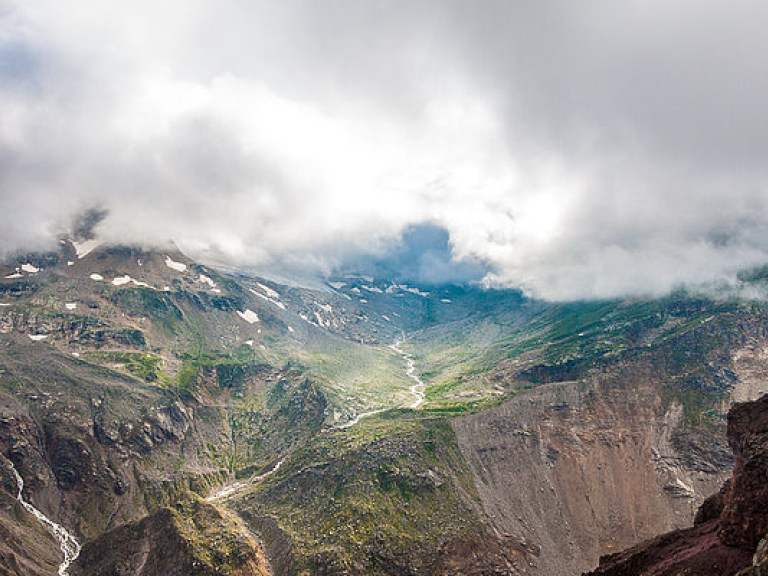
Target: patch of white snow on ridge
[[97, 277], [85, 248], [413, 290], [70, 263], [206, 280], [249, 343], [4, 304], [290, 329], [337, 285], [268, 291], [120, 280], [178, 266], [30, 268], [38, 337], [249, 316], [15, 275], [268, 299], [70, 305], [446, 300], [372, 289]]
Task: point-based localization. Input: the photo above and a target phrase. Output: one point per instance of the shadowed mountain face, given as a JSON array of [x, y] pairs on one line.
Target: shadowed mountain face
[[171, 415]]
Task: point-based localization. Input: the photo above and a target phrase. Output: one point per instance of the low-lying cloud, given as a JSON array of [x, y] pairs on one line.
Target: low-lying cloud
[[575, 150]]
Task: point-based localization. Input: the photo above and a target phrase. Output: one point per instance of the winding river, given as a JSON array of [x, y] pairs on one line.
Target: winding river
[[419, 388]]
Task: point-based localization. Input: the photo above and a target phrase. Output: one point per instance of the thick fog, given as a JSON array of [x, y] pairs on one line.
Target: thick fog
[[584, 149]]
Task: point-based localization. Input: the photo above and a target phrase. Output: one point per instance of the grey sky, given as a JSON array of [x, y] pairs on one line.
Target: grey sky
[[579, 149]]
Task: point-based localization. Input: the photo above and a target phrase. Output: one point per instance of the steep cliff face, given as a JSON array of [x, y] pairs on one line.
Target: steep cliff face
[[730, 535], [580, 471]]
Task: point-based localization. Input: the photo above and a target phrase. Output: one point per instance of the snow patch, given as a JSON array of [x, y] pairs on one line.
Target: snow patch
[[85, 248], [70, 305], [413, 290], [76, 355], [97, 277], [372, 289], [38, 337], [120, 280], [337, 285], [320, 320], [70, 263], [215, 290], [249, 316], [30, 268], [206, 280], [178, 266], [4, 304], [290, 329], [446, 300], [268, 299], [386, 317], [268, 291], [14, 275], [249, 343]]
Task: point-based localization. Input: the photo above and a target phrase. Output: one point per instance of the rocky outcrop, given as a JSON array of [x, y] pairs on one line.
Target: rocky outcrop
[[192, 538], [725, 543], [744, 521]]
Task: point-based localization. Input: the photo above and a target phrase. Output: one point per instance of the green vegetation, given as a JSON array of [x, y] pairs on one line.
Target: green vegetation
[[381, 493], [148, 367]]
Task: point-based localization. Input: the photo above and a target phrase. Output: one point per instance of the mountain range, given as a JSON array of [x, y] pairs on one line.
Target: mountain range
[[172, 418]]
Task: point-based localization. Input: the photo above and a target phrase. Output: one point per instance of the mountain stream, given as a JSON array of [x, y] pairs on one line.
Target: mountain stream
[[69, 545]]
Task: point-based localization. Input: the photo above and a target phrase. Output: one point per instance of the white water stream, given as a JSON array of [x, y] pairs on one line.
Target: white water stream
[[69, 545], [225, 491], [419, 388]]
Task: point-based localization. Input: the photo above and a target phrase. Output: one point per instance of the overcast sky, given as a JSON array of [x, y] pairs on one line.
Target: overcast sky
[[575, 149]]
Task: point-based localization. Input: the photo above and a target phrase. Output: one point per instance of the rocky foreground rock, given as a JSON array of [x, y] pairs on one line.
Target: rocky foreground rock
[[730, 536]]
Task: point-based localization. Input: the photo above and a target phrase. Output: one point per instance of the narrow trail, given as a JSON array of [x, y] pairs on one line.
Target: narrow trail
[[230, 489], [69, 545]]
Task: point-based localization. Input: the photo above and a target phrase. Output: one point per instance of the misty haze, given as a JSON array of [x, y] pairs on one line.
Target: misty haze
[[339, 287]]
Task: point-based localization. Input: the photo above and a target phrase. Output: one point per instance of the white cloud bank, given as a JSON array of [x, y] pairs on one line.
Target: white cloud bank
[[579, 149]]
